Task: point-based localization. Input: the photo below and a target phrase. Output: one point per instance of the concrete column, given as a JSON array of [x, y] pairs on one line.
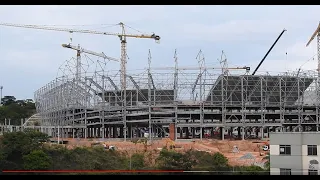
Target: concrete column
[[201, 133], [222, 133], [99, 132], [243, 133]]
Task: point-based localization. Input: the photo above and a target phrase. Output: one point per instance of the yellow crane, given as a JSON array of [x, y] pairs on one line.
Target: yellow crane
[[123, 57], [316, 33]]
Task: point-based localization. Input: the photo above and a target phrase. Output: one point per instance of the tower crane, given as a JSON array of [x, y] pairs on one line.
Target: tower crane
[[123, 58], [121, 35], [82, 50], [316, 33], [78, 70]]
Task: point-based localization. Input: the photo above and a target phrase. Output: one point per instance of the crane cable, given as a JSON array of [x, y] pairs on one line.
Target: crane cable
[[312, 58]]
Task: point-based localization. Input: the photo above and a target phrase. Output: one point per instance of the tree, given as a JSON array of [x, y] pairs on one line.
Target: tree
[[37, 160], [137, 161], [7, 100], [17, 144], [171, 160], [209, 162], [15, 110], [251, 170]]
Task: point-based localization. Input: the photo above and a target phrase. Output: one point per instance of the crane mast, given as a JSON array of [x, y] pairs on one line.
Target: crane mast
[[317, 34], [123, 58], [123, 71]]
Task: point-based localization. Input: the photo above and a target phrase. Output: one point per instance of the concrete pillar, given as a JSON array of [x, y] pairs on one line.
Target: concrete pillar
[[243, 133], [222, 133], [201, 133], [92, 132], [262, 132], [97, 130]]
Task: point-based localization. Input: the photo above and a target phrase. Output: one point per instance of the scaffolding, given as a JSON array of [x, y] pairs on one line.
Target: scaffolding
[[194, 101]]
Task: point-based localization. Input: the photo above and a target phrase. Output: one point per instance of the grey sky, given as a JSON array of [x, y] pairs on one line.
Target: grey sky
[[31, 58]]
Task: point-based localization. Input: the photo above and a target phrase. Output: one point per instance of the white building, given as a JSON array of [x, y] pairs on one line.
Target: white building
[[294, 153]]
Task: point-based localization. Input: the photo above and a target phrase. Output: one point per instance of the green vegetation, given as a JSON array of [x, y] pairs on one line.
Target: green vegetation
[[15, 110], [29, 151]]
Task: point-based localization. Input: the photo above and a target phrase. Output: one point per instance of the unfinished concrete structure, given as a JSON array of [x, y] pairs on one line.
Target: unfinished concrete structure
[[194, 102]]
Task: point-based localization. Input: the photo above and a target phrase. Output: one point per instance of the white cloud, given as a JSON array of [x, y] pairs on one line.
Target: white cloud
[[245, 32]]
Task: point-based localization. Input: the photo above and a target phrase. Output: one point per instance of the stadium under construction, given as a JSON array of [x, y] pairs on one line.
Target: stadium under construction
[[200, 102], [176, 102]]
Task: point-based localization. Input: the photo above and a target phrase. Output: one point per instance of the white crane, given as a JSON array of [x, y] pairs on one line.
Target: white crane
[[82, 50], [123, 39], [121, 35], [77, 48]]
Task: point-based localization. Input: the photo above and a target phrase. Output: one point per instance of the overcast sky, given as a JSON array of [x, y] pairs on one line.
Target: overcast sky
[[31, 58]]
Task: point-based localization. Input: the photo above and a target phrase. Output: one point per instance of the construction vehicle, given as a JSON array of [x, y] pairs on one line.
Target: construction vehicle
[[263, 148]]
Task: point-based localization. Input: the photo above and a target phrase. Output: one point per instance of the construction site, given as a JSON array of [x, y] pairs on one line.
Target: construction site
[[198, 107]]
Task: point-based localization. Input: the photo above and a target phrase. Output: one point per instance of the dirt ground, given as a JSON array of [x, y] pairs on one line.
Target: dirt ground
[[212, 146]]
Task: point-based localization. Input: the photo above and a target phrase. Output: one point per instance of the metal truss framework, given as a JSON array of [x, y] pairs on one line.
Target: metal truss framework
[[197, 101]]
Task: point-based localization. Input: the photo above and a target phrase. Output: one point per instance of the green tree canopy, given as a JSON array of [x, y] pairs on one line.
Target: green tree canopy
[[37, 160]]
